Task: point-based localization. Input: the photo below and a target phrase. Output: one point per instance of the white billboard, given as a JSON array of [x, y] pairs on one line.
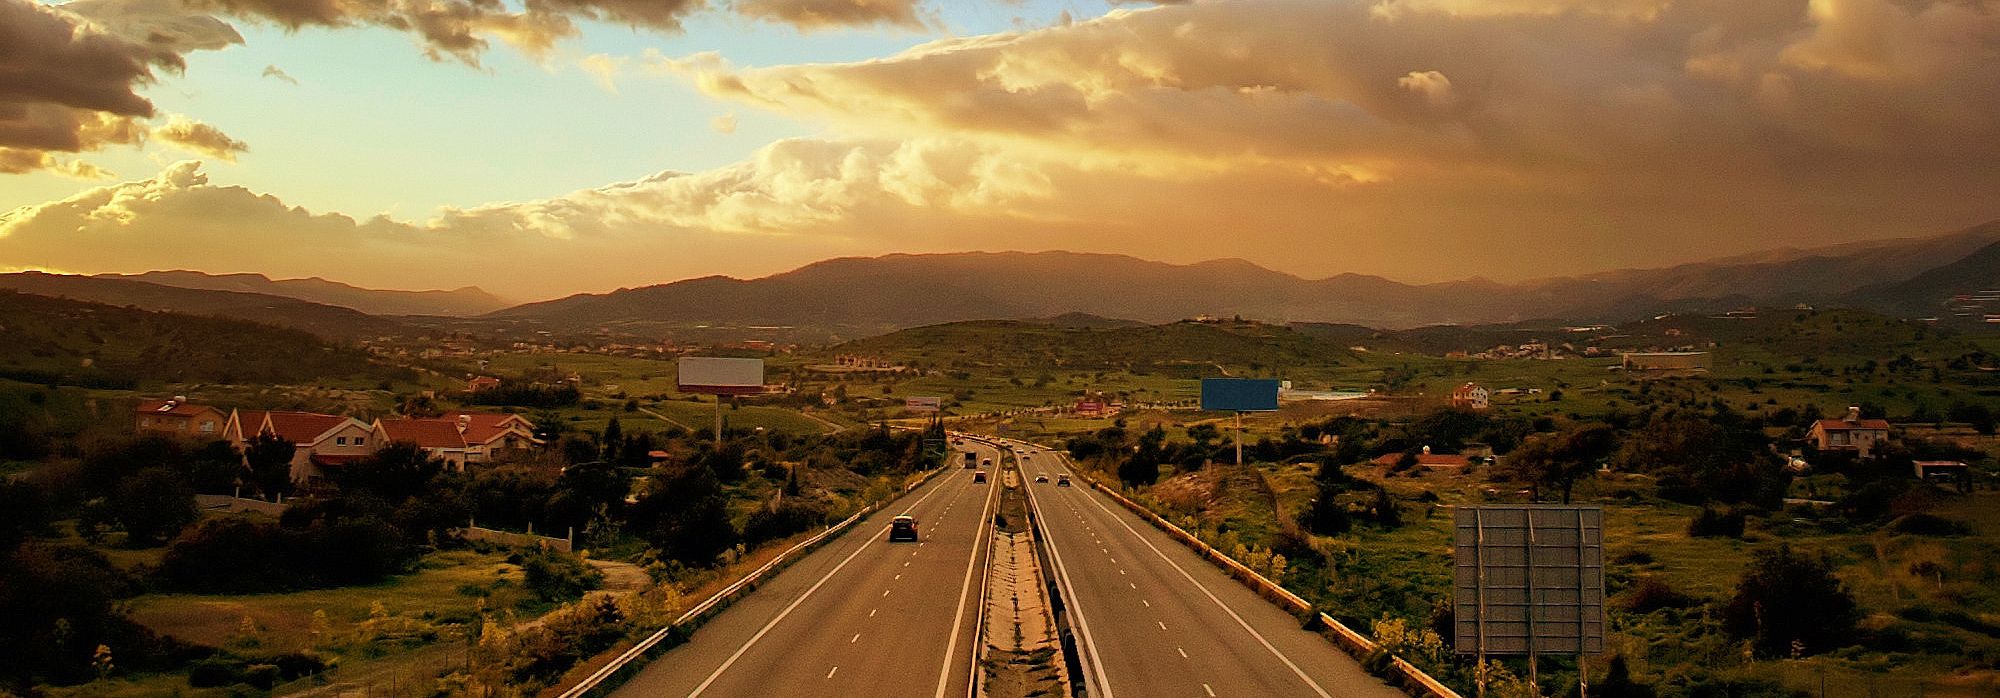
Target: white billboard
[[701, 374], [923, 404]]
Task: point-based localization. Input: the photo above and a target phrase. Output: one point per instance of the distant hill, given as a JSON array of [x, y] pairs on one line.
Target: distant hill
[[57, 340], [1926, 294], [1179, 349], [853, 296], [460, 302], [322, 320]]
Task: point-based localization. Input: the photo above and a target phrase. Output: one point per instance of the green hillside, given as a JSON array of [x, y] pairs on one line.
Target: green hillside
[[53, 340], [1181, 349]]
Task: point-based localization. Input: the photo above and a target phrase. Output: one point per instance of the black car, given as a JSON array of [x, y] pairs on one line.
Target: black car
[[1041, 477], [979, 476], [903, 527], [1062, 480]]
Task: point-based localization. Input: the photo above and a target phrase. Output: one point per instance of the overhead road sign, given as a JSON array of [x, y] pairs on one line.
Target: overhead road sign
[[720, 376], [1239, 394]]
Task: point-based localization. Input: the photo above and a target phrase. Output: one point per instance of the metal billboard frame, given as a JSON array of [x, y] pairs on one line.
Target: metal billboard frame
[[1528, 579]]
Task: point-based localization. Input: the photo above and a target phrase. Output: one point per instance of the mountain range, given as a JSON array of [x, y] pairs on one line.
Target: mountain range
[[859, 295], [852, 297]]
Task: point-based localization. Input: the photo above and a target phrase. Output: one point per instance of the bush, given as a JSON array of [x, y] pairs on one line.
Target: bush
[[1651, 593], [1928, 525], [1717, 524], [1786, 598], [793, 515], [553, 575], [243, 554]]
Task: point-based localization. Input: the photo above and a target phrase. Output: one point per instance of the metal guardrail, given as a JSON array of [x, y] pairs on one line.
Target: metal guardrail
[[624, 660], [1354, 643]]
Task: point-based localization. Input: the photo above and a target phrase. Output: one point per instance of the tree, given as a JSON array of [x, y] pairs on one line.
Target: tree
[[1202, 434], [614, 436], [685, 516], [1561, 460], [1327, 515], [153, 505], [399, 471], [1785, 598], [269, 458]]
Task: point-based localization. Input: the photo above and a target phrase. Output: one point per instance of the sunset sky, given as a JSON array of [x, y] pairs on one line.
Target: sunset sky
[[555, 146]]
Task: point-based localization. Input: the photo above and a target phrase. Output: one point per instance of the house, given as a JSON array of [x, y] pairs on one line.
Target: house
[[178, 417], [480, 383], [1470, 397], [320, 442], [1428, 460], [438, 437], [490, 437], [1850, 433]]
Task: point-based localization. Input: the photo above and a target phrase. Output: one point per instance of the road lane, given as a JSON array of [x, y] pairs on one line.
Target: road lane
[[859, 616], [1165, 621]]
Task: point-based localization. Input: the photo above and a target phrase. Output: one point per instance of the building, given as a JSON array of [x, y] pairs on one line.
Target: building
[[1942, 469], [1850, 433], [321, 442], [490, 437], [481, 383], [178, 417], [1471, 397], [1666, 361], [438, 437], [1428, 460]]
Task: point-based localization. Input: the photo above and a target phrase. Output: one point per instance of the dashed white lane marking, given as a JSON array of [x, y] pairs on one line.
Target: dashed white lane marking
[[906, 564], [852, 640], [829, 672], [1148, 604], [885, 592], [871, 612], [899, 576], [1129, 584], [1182, 651], [1121, 571], [1211, 691], [1162, 624]]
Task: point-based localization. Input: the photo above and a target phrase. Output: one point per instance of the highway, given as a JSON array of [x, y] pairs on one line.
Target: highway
[[858, 617], [1157, 620]]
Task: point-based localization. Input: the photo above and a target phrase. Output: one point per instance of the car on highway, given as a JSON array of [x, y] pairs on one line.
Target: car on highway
[[979, 476], [903, 527], [985, 461], [1062, 481], [1041, 477]]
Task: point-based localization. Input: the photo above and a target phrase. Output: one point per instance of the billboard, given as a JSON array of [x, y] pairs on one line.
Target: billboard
[[1528, 579], [923, 404], [720, 376], [1090, 407], [1239, 394]]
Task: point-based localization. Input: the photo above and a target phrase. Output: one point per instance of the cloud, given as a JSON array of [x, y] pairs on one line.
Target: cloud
[[603, 68], [814, 15], [724, 124], [462, 30], [272, 71], [199, 138], [1433, 85]]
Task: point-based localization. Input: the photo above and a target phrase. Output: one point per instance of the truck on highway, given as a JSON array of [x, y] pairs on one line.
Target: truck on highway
[[971, 459]]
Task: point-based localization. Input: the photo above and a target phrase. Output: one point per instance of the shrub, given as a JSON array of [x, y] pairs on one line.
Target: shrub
[[1650, 593], [1717, 524], [553, 575], [1928, 525], [791, 516], [1786, 598]]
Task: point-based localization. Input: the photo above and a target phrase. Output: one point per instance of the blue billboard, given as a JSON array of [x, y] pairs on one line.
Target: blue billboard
[[1239, 394]]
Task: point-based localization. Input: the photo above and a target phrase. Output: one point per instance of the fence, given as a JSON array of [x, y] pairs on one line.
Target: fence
[[228, 504], [510, 538]]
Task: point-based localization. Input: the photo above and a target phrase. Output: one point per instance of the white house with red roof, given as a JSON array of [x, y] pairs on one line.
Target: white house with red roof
[[322, 441], [489, 437], [1471, 397], [1850, 433], [438, 437], [178, 417]]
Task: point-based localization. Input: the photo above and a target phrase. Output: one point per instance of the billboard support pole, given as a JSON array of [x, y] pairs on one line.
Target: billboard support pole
[[718, 421], [1239, 438]]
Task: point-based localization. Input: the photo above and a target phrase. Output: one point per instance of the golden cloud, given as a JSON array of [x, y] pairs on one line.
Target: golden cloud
[[814, 15]]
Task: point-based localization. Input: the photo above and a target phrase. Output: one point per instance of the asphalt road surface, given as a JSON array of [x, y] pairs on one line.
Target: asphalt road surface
[[1157, 620], [858, 617]]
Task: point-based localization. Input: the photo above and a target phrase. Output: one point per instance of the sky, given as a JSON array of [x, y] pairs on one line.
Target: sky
[[548, 147]]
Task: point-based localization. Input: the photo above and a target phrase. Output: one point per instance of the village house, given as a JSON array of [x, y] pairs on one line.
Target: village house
[[321, 442], [1470, 397], [490, 437], [178, 417], [1850, 433], [1428, 460], [440, 438]]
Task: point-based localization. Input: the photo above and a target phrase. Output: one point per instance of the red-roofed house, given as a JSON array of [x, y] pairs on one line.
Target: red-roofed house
[[178, 417], [489, 437], [1471, 397], [1426, 459], [438, 437], [322, 440], [1851, 433]]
